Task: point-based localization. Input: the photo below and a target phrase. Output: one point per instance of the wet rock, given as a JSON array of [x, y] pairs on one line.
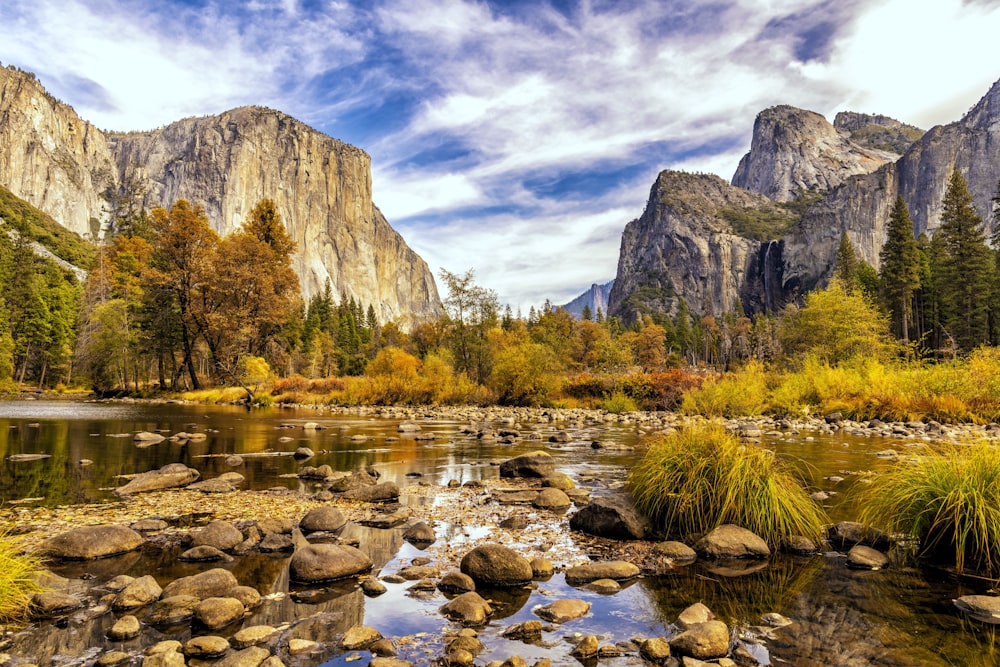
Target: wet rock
[[204, 554], [983, 607], [560, 437], [693, 615], [282, 526], [468, 643], [863, 557], [392, 520], [53, 603], [702, 641], [125, 628], [322, 519], [149, 525], [359, 637], [214, 613], [551, 499], [322, 472], [515, 496], [799, 545], [586, 648], [744, 657], [560, 481], [247, 595], [113, 659], [415, 572], [496, 565], [846, 534], [456, 582], [207, 647], [655, 650], [468, 609], [90, 542], [408, 427], [248, 657], [138, 593], [255, 635], [529, 632], [303, 453], [373, 588], [327, 562], [219, 534], [534, 464], [775, 620], [389, 662], [459, 658], [541, 568], [618, 570], [211, 583], [377, 493], [173, 610], [730, 541], [383, 647], [614, 517], [604, 586], [357, 479], [234, 460], [146, 438], [168, 477], [274, 542], [563, 611], [171, 658], [419, 533], [212, 486], [514, 523]]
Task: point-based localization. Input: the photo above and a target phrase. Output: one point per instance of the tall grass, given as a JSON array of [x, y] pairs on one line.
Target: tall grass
[[948, 499], [736, 394], [700, 478], [16, 582]]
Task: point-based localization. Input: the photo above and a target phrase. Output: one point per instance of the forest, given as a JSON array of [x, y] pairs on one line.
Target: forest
[[170, 306]]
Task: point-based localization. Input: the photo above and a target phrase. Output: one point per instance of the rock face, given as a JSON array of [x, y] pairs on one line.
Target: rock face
[[322, 187], [596, 298], [795, 151]]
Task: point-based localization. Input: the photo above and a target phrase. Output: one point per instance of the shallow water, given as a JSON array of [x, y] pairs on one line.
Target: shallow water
[[840, 616]]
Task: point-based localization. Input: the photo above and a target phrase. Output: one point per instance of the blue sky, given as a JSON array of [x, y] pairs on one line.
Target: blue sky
[[516, 138]]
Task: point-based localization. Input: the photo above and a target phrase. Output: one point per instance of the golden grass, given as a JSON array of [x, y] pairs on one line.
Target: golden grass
[[17, 584]]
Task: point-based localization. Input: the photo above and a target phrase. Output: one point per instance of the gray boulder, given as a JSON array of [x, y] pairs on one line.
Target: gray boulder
[[496, 565], [376, 493], [168, 477], [91, 542], [619, 570], [535, 464], [211, 583], [219, 534], [866, 558], [730, 541], [614, 517], [327, 562], [322, 519]]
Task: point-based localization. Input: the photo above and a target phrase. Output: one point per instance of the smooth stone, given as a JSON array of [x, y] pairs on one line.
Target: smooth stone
[[322, 519], [299, 646], [359, 637], [563, 611], [204, 554], [247, 595], [619, 570], [327, 562], [541, 568], [389, 662], [986, 607], [51, 603], [275, 525], [252, 636], [138, 593], [383, 647], [529, 631], [214, 613], [112, 659], [169, 476], [456, 582], [604, 586], [703, 641], [419, 533], [534, 464], [614, 517], [90, 542], [496, 565], [656, 650], [382, 492], [693, 615], [149, 525], [206, 647], [560, 481], [219, 534], [731, 541], [799, 545], [863, 557], [468, 609], [467, 643], [275, 542], [676, 551], [173, 610], [552, 499], [587, 647], [373, 587], [125, 628], [248, 657], [211, 583]]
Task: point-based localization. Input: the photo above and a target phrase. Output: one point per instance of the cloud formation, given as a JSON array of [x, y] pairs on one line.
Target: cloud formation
[[514, 137]]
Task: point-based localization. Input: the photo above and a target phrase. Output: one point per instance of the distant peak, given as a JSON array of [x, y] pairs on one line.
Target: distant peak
[[986, 111]]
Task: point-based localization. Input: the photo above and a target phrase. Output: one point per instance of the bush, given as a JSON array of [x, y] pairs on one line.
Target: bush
[[16, 582], [618, 403], [742, 393], [697, 479], [948, 499]]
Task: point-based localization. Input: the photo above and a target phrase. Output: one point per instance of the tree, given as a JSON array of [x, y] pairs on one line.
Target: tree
[[472, 313], [586, 314], [900, 275], [965, 269], [846, 265]]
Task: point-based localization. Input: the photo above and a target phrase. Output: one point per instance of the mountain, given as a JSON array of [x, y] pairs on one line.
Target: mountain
[[596, 298], [719, 248], [227, 162]]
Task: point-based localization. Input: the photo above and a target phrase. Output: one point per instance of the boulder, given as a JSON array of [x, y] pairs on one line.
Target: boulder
[[53, 603], [655, 650], [456, 582], [702, 641], [551, 499], [468, 609], [112, 659], [529, 632], [273, 542], [731, 541], [138, 593], [326, 562], [125, 628], [149, 525], [677, 552], [206, 647], [798, 545], [535, 464], [146, 438], [604, 586], [541, 568], [496, 565], [845, 534], [564, 610], [91, 542], [275, 525], [252, 636], [216, 485], [172, 610], [211, 583], [984, 607], [614, 517], [866, 558], [248, 595], [322, 519], [560, 481], [355, 480], [203, 554], [586, 648], [619, 570], [248, 657], [376, 493], [693, 615], [219, 534], [359, 637], [214, 613], [419, 533], [168, 477]]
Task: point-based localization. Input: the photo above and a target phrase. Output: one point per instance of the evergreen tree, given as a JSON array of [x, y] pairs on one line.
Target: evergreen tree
[[966, 269], [586, 314], [846, 265], [900, 276], [682, 328]]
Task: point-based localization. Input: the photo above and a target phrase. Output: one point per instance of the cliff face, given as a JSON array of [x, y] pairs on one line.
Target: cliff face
[[322, 187], [596, 298], [795, 151]]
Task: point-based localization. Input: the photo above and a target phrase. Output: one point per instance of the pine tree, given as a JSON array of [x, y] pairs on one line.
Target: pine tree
[[966, 269], [900, 275], [586, 314], [846, 265]]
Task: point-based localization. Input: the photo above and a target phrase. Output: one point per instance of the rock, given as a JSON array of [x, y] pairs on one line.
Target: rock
[[247, 595], [282, 526], [382, 520], [125, 628], [377, 493], [799, 545], [211, 583], [468, 609], [863, 557], [467, 643], [729, 541], [203, 554], [562, 611], [355, 480], [322, 472], [408, 427], [614, 517], [534, 464], [173, 610], [456, 582], [677, 552], [775, 620], [383, 647], [322, 519], [212, 486], [372, 587], [164, 659], [419, 533], [389, 662], [703, 641], [604, 586], [560, 481], [983, 607], [138, 593], [551, 499], [541, 568], [846, 534], [458, 657], [252, 636], [560, 437], [146, 438], [274, 542], [91, 542], [327, 562], [514, 523], [655, 650], [248, 657], [359, 637], [586, 648], [529, 632], [304, 452], [496, 565], [149, 525], [415, 572], [112, 659], [617, 570], [219, 534], [234, 460], [168, 477], [693, 615], [207, 647], [53, 603], [214, 613]]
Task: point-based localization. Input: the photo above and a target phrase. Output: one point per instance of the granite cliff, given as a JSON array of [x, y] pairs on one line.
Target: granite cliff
[[595, 298], [227, 162]]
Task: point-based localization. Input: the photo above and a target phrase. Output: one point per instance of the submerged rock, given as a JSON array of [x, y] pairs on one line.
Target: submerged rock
[[90, 542], [168, 477]]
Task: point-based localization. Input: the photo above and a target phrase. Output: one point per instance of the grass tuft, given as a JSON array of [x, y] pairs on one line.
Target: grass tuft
[[948, 499], [694, 480], [17, 584]]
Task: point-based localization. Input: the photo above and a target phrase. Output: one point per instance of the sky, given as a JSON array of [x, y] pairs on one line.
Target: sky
[[513, 138]]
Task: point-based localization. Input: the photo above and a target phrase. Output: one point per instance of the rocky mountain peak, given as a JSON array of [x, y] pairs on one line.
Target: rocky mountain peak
[[795, 151], [878, 131], [985, 114]]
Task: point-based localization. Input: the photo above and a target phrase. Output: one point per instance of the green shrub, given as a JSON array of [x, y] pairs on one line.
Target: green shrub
[[16, 582], [618, 403], [947, 499], [742, 393], [700, 478]]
